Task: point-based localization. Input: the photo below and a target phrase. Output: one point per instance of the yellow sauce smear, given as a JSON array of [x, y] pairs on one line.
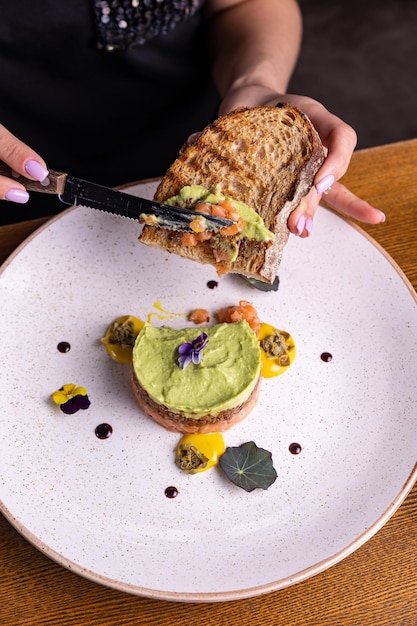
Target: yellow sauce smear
[[164, 314], [122, 352], [210, 444], [117, 350], [271, 366]]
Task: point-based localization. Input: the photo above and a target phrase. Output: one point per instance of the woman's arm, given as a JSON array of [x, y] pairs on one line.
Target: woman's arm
[[254, 46]]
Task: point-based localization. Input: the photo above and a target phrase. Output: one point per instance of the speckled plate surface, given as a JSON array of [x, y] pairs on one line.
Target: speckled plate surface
[[99, 508]]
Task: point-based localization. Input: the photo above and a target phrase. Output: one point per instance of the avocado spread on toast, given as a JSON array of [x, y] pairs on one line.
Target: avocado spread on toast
[[254, 227]]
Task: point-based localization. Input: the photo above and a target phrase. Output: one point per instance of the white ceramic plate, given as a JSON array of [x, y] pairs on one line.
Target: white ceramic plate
[[99, 508]]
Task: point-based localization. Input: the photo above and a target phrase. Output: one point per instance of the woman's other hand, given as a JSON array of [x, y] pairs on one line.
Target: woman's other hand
[[24, 161], [339, 140], [255, 45]]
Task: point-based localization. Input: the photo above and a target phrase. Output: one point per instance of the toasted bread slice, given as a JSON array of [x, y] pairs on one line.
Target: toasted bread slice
[[266, 157]]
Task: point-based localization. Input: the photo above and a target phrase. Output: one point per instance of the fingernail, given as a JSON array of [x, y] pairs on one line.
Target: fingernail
[[309, 225], [325, 183], [300, 225], [17, 195], [193, 138], [383, 217], [36, 170]]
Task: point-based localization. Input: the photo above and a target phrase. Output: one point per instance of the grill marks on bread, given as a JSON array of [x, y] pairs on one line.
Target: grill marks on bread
[[266, 157]]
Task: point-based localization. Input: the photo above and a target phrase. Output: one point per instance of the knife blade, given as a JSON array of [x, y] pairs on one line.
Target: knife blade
[[76, 191]]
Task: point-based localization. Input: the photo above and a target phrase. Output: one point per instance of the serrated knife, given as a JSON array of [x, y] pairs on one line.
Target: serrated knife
[[76, 191]]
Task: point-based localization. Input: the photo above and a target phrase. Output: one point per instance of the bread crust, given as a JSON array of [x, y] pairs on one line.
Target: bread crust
[[264, 156]]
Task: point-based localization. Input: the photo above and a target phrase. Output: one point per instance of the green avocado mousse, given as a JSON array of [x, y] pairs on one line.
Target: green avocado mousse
[[197, 380], [253, 224]]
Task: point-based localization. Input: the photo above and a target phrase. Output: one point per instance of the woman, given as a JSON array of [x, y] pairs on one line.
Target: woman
[[108, 90]]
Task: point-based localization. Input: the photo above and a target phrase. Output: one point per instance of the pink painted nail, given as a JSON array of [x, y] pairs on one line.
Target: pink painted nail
[[193, 138], [325, 183], [300, 225], [36, 170], [309, 225], [17, 195], [383, 216]]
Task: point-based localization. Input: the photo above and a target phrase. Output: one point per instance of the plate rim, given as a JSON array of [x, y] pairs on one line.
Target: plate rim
[[207, 597], [236, 594]]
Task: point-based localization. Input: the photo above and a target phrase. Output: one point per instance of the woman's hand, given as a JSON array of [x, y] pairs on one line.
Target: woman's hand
[[24, 161], [339, 140], [255, 44]]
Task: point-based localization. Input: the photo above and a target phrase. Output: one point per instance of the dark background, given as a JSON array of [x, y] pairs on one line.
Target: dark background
[[359, 58]]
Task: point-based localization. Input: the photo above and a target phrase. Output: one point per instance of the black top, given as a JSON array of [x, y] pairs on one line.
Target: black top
[[106, 90]]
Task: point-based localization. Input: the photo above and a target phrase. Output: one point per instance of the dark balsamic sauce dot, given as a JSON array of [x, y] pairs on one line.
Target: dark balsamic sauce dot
[[326, 357], [103, 431], [63, 346], [171, 492], [294, 448], [212, 284]]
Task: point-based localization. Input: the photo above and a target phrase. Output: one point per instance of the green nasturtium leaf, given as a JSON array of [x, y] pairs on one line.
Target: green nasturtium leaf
[[248, 466]]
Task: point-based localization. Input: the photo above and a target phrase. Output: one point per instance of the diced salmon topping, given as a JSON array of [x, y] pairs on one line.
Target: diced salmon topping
[[234, 229], [222, 269], [223, 209], [243, 311], [199, 316], [203, 236], [189, 239], [218, 210], [227, 206], [203, 207]]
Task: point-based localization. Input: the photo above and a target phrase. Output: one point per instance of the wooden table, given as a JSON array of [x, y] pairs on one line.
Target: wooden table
[[374, 586]]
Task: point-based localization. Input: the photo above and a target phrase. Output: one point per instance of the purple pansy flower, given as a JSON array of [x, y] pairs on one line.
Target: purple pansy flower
[[74, 404], [192, 351], [71, 398]]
